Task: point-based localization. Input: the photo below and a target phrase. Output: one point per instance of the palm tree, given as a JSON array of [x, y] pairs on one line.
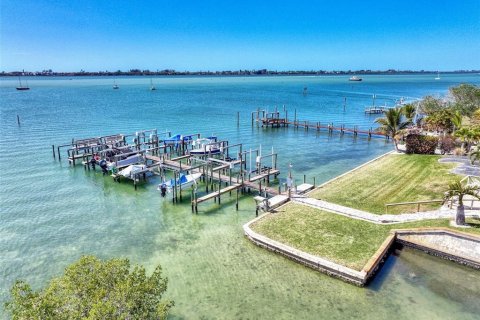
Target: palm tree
[[408, 111], [457, 120], [458, 190], [465, 135], [392, 124], [475, 155]]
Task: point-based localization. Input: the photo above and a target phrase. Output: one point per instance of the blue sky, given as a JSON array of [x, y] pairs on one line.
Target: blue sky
[[230, 35]]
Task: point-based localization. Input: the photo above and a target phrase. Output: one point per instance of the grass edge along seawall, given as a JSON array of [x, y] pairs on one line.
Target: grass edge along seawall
[[373, 256]]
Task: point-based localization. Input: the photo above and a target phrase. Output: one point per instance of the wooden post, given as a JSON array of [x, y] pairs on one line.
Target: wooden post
[[211, 177], [314, 184], [174, 186], [344, 103], [295, 117], [238, 118], [180, 187], [219, 185], [18, 119], [236, 204], [304, 178], [206, 178], [53, 150], [193, 200]]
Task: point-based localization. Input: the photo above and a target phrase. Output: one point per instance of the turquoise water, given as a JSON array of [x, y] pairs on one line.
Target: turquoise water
[[52, 213]]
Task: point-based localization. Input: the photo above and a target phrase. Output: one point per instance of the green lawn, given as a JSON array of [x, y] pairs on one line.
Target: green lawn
[[346, 241], [391, 179]]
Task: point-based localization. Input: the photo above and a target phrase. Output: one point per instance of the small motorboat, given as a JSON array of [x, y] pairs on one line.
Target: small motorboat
[[355, 78], [133, 159], [185, 181], [173, 140], [206, 146], [132, 170]]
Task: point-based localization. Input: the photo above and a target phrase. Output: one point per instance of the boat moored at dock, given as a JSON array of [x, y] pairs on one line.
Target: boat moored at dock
[[206, 146]]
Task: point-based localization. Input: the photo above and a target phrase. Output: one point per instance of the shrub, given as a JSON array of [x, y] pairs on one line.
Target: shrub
[[94, 289], [421, 144], [446, 144]]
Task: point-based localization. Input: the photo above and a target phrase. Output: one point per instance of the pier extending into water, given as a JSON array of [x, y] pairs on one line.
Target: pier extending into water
[[275, 119]]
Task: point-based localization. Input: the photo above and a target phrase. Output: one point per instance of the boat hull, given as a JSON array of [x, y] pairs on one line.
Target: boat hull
[[202, 152], [189, 180]]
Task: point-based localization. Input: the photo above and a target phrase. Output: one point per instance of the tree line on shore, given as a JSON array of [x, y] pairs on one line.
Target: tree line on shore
[[172, 72]]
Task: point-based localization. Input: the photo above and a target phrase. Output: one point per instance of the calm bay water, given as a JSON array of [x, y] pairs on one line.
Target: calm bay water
[[51, 213]]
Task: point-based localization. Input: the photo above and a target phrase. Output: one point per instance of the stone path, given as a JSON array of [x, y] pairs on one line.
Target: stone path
[[442, 213], [465, 167]]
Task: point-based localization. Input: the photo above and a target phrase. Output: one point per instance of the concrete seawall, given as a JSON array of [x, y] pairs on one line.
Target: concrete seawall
[[457, 246]]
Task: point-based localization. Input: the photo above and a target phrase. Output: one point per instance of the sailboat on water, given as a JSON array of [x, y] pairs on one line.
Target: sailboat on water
[[438, 76], [115, 86], [152, 87], [21, 87]]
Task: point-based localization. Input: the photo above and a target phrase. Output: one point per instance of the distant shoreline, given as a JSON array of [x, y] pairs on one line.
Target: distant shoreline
[[263, 72]]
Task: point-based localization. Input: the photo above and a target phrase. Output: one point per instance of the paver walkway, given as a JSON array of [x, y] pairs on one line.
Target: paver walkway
[[465, 166], [442, 213]]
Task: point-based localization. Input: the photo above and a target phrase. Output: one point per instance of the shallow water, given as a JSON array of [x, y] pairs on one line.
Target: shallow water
[[52, 213]]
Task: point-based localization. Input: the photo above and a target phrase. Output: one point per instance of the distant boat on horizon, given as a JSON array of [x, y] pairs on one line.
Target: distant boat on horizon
[[152, 87], [21, 87], [115, 86], [438, 76], [355, 78]]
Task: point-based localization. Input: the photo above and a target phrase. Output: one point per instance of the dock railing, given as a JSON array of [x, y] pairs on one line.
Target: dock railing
[[417, 203]]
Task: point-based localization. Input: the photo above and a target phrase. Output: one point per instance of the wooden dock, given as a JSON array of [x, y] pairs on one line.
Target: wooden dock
[[376, 110], [220, 173], [274, 120]]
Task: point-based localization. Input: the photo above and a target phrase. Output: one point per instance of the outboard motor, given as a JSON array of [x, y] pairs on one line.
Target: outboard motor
[[103, 165], [163, 190], [93, 162]]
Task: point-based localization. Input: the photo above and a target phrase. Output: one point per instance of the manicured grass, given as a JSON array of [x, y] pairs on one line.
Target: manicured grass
[[391, 179], [344, 240]]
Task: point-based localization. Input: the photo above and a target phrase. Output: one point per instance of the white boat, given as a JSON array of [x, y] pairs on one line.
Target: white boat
[[355, 78], [152, 87], [206, 146], [129, 160], [131, 170], [185, 181], [115, 86], [438, 76]]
